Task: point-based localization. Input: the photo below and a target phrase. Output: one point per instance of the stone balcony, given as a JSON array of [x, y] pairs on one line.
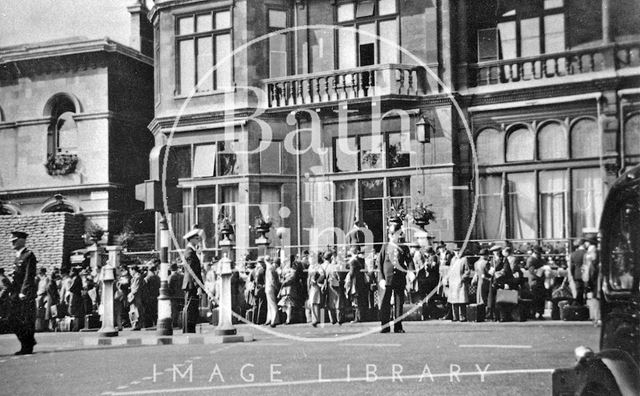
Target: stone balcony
[[346, 84], [556, 66]]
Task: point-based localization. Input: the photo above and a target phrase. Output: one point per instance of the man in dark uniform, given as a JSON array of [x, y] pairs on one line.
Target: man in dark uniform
[[395, 262], [24, 294], [192, 268]]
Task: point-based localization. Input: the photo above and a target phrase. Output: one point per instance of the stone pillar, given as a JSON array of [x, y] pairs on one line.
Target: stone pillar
[[607, 34], [95, 261], [461, 46], [225, 324], [108, 277], [165, 323]]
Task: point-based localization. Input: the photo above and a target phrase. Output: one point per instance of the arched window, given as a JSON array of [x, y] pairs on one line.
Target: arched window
[[63, 132], [632, 135], [490, 147], [520, 145], [585, 139], [552, 142]]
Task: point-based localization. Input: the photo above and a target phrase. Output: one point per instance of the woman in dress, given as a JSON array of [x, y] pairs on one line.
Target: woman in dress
[[316, 278], [271, 288], [482, 278], [290, 292]]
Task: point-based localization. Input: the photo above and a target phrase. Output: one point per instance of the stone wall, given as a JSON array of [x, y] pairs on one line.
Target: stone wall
[[52, 237]]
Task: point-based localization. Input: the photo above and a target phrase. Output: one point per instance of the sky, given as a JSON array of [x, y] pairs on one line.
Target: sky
[[33, 21]]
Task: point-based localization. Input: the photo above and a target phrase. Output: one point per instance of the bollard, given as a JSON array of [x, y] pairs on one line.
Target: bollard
[[108, 275], [225, 325], [165, 322]]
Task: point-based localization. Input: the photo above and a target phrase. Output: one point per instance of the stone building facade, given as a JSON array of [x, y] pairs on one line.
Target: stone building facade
[[73, 125], [390, 95]]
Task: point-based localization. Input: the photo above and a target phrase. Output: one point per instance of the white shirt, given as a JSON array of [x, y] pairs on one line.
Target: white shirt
[[19, 252]]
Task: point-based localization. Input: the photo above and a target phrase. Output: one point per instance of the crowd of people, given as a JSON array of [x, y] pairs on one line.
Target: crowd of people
[[500, 282], [497, 283]]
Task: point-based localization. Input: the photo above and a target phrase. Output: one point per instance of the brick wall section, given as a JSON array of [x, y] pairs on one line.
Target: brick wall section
[[52, 237]]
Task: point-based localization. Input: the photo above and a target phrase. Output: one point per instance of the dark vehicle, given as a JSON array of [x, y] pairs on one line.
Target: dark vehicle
[[615, 370]]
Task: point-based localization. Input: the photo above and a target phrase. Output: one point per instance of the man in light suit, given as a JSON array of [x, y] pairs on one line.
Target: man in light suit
[[192, 270], [23, 294], [394, 264]]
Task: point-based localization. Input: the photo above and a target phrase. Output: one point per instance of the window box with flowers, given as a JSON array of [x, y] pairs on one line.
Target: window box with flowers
[[61, 163]]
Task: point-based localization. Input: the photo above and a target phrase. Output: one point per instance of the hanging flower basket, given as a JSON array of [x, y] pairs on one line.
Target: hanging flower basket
[[61, 163], [422, 215]]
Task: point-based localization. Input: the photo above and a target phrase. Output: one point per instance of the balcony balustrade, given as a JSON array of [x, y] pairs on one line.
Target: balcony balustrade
[[346, 84], [556, 65]]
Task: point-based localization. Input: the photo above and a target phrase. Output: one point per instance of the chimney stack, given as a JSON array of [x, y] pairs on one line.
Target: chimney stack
[[141, 37]]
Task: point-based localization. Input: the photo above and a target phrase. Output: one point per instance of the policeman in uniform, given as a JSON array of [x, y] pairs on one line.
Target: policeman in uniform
[[24, 293], [189, 285]]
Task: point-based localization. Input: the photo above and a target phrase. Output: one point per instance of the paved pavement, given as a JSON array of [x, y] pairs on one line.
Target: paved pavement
[[433, 357]]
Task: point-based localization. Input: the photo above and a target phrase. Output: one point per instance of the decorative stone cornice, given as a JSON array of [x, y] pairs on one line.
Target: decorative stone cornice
[[60, 56]]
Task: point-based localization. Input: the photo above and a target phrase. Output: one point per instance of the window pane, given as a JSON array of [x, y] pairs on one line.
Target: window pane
[[344, 209], [278, 55], [67, 132], [228, 201], [346, 155], [490, 147], [632, 135], [204, 62], [399, 193], [370, 37], [206, 196], [204, 23], [227, 158], [508, 40], [552, 142], [187, 67], [270, 158], [345, 190], [554, 33], [372, 188], [204, 160], [548, 4], [386, 7], [345, 12], [530, 37], [185, 25], [398, 150], [371, 152], [388, 52], [487, 45], [207, 222], [364, 8], [346, 49], [179, 162], [588, 197], [490, 221], [522, 206], [223, 20], [520, 145], [277, 19], [585, 139], [224, 69], [553, 191]]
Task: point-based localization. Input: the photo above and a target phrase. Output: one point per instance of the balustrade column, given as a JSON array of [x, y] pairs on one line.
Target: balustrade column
[[606, 22]]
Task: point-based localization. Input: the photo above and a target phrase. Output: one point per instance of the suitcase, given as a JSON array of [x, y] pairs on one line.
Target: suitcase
[[92, 321], [574, 313], [416, 315], [475, 312]]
